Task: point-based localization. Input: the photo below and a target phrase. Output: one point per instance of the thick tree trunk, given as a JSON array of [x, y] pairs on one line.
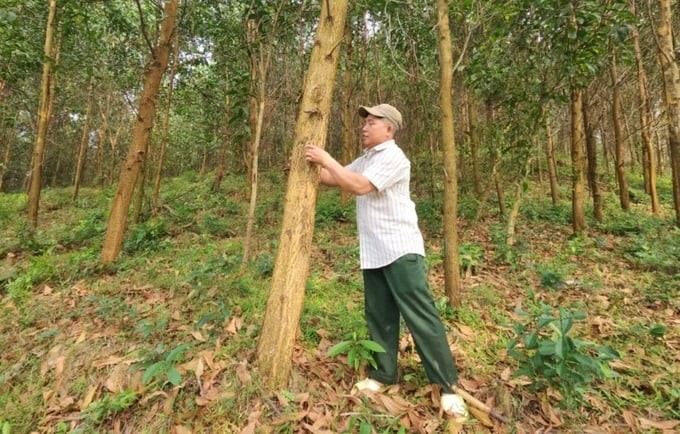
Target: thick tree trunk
[[451, 269], [645, 121], [550, 162], [84, 141], [591, 155], [166, 124], [624, 197], [222, 159], [672, 84], [291, 268], [131, 168], [577, 163], [43, 120]]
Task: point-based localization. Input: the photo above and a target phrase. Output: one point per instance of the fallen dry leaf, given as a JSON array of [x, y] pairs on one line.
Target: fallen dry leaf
[[665, 425]]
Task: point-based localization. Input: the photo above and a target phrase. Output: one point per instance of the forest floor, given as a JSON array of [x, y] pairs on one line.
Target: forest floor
[[165, 340]]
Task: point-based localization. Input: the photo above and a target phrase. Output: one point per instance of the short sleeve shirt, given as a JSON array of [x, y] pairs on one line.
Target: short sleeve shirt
[[386, 219]]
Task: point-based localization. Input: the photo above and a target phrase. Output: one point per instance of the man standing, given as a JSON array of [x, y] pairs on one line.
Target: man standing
[[392, 255]]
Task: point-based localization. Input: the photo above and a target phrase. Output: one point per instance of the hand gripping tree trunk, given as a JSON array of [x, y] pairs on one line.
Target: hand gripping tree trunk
[[43, 120], [131, 168], [284, 306], [672, 84], [451, 272]]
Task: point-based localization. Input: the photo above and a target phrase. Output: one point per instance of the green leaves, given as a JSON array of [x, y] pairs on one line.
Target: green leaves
[[550, 357], [164, 371], [359, 351]]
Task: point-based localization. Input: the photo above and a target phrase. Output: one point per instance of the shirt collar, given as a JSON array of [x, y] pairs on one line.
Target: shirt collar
[[380, 147]]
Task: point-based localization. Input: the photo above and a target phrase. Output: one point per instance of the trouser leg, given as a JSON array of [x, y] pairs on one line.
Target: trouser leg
[[382, 319], [408, 282]]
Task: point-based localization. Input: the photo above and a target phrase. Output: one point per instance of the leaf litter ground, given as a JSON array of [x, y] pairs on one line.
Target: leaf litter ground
[[76, 347]]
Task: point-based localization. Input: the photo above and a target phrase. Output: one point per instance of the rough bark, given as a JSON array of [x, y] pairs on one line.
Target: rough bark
[[132, 165], [671, 77], [43, 119], [291, 268], [451, 269]]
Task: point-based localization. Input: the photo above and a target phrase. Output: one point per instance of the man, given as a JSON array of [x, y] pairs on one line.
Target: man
[[392, 255]]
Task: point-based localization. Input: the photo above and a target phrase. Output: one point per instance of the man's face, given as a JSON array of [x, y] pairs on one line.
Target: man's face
[[375, 131]]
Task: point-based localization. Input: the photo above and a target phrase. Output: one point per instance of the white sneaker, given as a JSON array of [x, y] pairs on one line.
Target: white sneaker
[[369, 384], [453, 405]]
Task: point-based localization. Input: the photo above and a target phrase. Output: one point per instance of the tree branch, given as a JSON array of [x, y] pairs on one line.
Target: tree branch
[[144, 32]]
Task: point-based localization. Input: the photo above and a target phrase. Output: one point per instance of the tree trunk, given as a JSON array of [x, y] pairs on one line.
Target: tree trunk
[[291, 268], [591, 155], [129, 172], [255, 153], [672, 84], [166, 123], [451, 271], [84, 141], [624, 197], [550, 162], [645, 116], [43, 119], [577, 163]]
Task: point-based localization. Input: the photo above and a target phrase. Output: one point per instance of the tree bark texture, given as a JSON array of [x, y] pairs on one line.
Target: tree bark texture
[[451, 271], [577, 162], [43, 119], [132, 165], [284, 305], [671, 77]]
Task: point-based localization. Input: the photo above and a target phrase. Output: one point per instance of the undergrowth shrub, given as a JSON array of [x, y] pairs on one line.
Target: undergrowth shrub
[[544, 210], [147, 236], [330, 210], [39, 270], [551, 358]]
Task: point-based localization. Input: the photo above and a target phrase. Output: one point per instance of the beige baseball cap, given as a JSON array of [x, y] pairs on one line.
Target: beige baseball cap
[[385, 111]]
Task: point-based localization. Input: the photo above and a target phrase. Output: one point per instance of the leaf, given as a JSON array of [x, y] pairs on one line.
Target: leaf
[[372, 345], [339, 348], [174, 376], [657, 330]]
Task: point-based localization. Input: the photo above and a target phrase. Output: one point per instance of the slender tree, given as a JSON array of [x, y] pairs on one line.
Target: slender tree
[[284, 305], [131, 168], [451, 271], [43, 119]]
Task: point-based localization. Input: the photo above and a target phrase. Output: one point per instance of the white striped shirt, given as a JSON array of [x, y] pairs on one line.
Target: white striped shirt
[[386, 219]]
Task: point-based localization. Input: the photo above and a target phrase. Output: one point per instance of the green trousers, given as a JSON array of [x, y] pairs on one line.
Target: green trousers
[[401, 288]]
